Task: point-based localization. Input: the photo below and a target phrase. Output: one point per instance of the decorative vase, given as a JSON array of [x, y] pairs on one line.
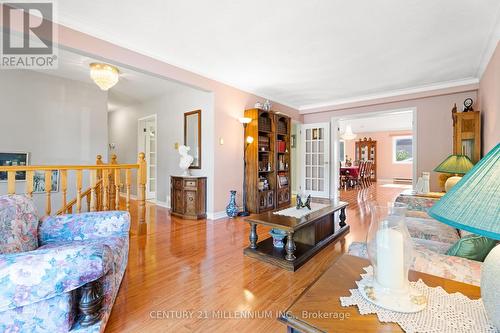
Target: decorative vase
[[278, 236], [232, 208], [390, 250]]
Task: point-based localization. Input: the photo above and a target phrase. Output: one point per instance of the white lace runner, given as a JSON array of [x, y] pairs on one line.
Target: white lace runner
[[298, 213], [447, 313]]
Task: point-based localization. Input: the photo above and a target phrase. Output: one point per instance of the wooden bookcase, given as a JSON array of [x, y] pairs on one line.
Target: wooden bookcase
[[366, 149], [268, 177], [467, 134]]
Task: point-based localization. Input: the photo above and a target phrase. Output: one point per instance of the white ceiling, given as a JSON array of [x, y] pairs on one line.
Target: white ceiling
[[391, 121], [132, 88], [303, 53]]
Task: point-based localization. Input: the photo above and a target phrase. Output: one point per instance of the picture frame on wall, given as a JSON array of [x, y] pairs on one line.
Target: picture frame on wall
[[14, 159], [39, 181]]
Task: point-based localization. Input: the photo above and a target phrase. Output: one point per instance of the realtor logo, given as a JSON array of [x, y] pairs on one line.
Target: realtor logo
[[28, 35]]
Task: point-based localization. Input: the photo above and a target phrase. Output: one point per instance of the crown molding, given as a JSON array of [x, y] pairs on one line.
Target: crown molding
[[436, 89], [493, 41]]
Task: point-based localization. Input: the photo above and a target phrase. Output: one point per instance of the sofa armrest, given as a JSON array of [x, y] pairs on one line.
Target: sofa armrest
[[33, 276], [426, 261], [416, 203], [70, 227]]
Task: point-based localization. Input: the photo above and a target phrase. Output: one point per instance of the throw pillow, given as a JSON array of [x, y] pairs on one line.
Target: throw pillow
[[472, 247]]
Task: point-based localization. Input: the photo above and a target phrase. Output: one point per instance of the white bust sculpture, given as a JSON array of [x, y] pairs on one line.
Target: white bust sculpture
[[186, 159]]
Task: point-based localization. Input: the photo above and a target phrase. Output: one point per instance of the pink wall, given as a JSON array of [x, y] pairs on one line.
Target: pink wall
[[230, 104], [489, 97], [386, 169], [434, 124]]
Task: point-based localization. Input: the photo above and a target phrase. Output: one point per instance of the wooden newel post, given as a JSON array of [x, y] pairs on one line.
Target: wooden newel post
[[141, 193]]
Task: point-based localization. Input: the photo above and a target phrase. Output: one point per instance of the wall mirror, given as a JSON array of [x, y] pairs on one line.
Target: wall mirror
[[192, 136]]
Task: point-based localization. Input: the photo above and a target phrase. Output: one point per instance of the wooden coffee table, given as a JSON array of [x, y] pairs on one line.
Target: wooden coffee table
[[305, 236], [318, 308]]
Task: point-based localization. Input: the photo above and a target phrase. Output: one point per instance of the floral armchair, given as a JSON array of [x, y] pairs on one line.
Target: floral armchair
[[61, 273]]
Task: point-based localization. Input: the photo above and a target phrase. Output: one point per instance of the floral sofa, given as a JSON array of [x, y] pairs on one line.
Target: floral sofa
[[47, 265], [432, 239]]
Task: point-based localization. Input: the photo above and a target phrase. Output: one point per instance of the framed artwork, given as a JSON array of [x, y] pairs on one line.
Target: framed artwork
[[14, 159], [39, 181]]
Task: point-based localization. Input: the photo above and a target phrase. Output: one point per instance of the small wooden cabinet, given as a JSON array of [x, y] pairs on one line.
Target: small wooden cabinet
[[467, 134], [188, 197]]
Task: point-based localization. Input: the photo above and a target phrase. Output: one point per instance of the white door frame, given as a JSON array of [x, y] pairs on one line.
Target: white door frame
[[141, 148], [336, 137], [297, 166], [327, 153]]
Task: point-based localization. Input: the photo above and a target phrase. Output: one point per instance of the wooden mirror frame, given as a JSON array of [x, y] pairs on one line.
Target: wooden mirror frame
[[186, 115]]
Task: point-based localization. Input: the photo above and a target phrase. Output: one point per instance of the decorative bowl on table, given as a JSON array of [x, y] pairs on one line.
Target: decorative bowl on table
[[278, 236]]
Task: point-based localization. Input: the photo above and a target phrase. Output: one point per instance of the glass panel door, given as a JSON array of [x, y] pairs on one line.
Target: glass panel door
[[147, 144], [316, 143]]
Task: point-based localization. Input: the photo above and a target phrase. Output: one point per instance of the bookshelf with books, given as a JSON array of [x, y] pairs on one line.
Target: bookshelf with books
[[268, 161], [283, 129]]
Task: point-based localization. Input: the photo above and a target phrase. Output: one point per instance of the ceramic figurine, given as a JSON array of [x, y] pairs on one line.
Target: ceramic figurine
[[267, 105], [258, 105], [308, 202], [186, 160], [232, 208], [299, 202]]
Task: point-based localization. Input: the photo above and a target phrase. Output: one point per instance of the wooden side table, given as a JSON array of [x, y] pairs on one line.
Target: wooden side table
[[318, 308], [188, 197]]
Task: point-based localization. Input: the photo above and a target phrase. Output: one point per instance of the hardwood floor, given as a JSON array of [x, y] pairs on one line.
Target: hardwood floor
[[192, 276]]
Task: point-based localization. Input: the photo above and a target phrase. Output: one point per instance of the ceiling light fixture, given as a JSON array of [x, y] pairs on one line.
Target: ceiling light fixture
[[348, 134], [104, 75]]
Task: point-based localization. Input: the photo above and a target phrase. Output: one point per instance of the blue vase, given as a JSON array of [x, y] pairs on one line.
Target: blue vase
[[232, 208]]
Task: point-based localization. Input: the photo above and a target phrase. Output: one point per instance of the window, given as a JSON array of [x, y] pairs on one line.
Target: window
[[341, 151], [402, 149]]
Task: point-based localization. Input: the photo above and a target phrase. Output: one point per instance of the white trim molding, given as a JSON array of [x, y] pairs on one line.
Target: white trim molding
[[466, 84], [490, 47], [216, 215], [162, 204]]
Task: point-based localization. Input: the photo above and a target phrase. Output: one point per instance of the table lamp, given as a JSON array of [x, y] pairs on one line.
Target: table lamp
[[474, 205], [454, 164]]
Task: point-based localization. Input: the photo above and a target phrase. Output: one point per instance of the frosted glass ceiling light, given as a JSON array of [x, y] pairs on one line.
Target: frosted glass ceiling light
[[104, 75], [348, 134]]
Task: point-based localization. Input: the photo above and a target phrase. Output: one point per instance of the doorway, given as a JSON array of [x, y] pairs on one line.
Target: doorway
[[315, 142], [147, 143], [394, 135]]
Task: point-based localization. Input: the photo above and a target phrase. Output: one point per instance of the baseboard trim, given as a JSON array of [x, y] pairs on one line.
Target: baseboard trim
[[216, 215], [162, 204]]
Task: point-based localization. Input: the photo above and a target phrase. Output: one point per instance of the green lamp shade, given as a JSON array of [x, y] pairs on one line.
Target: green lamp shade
[[458, 164], [473, 204]]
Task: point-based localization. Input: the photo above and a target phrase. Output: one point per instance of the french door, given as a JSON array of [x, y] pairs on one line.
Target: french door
[[315, 159], [147, 144]]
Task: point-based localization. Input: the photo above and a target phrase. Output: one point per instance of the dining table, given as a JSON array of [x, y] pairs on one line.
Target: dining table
[[352, 171]]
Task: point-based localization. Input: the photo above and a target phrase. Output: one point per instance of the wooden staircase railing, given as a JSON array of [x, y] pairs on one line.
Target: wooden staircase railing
[[103, 192], [85, 196]]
